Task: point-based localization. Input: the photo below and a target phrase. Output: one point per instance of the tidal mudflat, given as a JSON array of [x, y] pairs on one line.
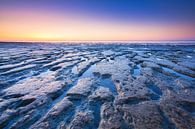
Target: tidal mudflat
[[105, 86]]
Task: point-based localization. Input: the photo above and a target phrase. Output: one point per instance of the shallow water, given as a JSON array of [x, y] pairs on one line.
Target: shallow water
[[136, 70], [178, 74]]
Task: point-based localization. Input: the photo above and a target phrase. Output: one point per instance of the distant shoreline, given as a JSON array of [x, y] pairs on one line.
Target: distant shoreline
[[137, 42]]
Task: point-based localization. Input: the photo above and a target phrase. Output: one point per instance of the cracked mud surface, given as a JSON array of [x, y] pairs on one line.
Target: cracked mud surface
[[59, 86]]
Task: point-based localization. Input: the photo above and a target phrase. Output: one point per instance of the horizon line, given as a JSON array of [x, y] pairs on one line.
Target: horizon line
[[185, 42], [90, 40]]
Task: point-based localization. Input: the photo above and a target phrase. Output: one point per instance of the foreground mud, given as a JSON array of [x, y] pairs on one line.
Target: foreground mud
[[97, 86]]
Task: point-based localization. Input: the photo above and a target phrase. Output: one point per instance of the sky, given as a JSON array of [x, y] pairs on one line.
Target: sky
[[75, 20]]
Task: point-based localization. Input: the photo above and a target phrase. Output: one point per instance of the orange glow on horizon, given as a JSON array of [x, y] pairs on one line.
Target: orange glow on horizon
[[41, 26]]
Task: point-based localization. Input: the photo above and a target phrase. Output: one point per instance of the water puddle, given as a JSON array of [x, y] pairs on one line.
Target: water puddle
[[156, 92], [136, 70], [189, 56], [178, 74], [154, 97], [88, 72], [74, 70], [105, 81], [155, 89], [159, 59]]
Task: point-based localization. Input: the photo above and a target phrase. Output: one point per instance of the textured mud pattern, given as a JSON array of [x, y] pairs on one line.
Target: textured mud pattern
[[57, 86]]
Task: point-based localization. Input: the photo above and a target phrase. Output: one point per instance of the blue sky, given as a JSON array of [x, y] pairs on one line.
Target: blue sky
[[158, 13]]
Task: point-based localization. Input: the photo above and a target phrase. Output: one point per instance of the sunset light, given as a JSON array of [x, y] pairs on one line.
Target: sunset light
[[61, 21]]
